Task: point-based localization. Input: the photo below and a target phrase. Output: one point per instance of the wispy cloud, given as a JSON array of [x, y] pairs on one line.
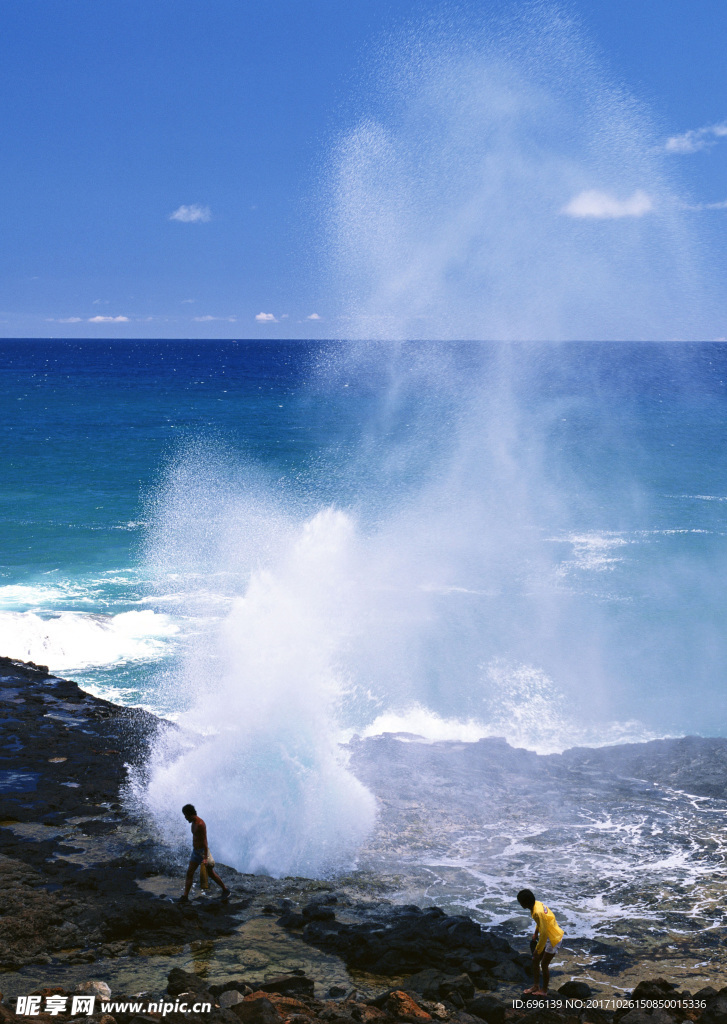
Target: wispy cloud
[[193, 214], [708, 206], [266, 318], [108, 319], [313, 316], [697, 139], [602, 206], [204, 319], [64, 319]]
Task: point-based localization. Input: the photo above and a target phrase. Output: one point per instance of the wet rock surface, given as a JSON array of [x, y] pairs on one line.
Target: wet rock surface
[[188, 997], [86, 894], [391, 940]]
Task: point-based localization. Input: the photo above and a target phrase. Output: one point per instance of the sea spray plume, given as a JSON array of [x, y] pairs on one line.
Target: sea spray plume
[[258, 743], [450, 200], [448, 590], [487, 464], [442, 586], [452, 216]]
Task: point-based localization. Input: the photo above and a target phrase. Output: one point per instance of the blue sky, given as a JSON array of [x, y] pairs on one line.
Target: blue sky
[[164, 163]]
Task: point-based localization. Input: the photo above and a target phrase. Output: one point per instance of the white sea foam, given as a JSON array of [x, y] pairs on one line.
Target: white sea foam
[[263, 720], [544, 735], [594, 552], [53, 590], [41, 595], [68, 641], [524, 707], [699, 497], [424, 725]]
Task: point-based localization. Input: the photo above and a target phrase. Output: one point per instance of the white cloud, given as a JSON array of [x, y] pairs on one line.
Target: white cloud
[[64, 320], [266, 318], [204, 319], [188, 300], [708, 206], [697, 139], [313, 316], [602, 206], [108, 319], [193, 214]]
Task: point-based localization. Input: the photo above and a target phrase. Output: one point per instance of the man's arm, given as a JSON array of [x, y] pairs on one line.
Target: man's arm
[[201, 836]]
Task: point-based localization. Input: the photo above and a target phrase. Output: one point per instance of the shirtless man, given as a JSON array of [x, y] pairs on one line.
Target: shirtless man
[[200, 853]]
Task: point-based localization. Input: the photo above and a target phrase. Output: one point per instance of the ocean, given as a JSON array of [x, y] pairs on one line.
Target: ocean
[[611, 457], [284, 545]]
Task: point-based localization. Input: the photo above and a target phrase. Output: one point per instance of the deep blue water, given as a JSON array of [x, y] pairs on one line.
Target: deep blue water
[[577, 493]]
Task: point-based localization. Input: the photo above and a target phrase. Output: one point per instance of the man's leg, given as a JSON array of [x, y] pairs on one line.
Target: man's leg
[[216, 878], [188, 880]]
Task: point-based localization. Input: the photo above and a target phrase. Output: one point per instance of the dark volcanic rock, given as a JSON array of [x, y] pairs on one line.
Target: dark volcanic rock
[[575, 990], [692, 763], [64, 755], [488, 1008], [63, 752], [658, 988], [650, 1016], [256, 1011], [405, 940], [287, 985], [69, 880], [183, 981], [716, 1010]]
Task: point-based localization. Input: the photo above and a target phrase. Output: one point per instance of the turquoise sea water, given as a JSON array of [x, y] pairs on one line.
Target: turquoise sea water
[[535, 534]]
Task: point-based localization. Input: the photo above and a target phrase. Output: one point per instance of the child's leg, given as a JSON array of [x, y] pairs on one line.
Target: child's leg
[[547, 957], [536, 974]]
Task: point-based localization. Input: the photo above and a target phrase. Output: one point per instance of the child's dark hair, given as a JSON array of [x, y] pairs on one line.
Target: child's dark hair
[[526, 899], [189, 809]]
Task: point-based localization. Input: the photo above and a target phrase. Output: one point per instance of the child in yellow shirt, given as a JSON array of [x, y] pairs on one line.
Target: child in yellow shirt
[[547, 938]]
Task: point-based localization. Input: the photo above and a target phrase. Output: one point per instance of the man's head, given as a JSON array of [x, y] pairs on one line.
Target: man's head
[[189, 812], [526, 899]]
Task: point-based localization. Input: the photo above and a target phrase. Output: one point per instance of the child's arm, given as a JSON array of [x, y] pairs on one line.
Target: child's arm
[[540, 936]]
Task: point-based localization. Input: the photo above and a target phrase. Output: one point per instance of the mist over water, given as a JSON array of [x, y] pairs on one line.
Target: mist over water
[[458, 561]]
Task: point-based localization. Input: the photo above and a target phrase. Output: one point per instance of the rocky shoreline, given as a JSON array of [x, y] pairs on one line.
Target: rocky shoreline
[[86, 893]]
